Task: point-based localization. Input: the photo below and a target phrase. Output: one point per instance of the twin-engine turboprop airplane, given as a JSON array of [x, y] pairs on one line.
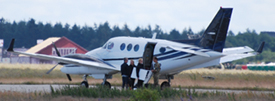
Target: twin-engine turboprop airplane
[[174, 56]]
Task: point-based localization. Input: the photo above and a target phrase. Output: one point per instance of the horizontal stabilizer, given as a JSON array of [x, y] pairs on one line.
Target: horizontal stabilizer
[[237, 50], [233, 57], [189, 51]]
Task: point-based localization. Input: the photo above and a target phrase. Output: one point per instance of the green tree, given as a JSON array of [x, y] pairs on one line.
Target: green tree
[[174, 35]]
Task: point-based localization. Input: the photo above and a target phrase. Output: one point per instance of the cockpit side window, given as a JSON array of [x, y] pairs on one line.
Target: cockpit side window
[[104, 46], [110, 45]]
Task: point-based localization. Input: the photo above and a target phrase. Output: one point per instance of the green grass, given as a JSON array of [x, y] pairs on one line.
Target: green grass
[[101, 93], [154, 94]]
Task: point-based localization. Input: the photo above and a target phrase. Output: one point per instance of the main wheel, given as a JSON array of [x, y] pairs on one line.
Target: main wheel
[[84, 84], [107, 84], [165, 84]]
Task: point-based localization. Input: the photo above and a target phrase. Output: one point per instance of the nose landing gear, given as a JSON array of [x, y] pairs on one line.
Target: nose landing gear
[[84, 83], [106, 83]]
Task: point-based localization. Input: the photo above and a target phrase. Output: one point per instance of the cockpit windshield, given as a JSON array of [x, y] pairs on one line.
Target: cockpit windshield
[[104, 46], [108, 45]]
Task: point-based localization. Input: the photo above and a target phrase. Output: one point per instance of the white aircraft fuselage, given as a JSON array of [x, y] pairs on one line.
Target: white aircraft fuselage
[[172, 61]]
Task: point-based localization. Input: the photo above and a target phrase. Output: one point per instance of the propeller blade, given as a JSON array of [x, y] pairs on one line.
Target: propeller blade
[[51, 69], [57, 52], [69, 77]]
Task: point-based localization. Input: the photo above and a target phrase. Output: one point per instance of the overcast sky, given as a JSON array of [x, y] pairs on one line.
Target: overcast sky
[[168, 14]]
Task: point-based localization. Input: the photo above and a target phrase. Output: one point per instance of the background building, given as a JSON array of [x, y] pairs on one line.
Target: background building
[[63, 44]]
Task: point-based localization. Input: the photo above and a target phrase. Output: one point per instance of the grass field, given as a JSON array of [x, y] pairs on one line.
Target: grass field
[[224, 79], [229, 79]]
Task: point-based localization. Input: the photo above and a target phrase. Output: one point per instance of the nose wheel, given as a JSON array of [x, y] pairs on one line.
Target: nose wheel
[[106, 83], [84, 83]]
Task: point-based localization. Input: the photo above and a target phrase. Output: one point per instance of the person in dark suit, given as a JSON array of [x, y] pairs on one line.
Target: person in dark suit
[[139, 66], [124, 73]]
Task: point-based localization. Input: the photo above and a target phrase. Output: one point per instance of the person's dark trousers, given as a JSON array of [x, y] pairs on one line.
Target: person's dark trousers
[[140, 82], [132, 82], [125, 82]]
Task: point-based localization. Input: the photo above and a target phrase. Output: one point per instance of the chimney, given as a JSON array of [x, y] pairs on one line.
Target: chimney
[[1, 42], [39, 41]]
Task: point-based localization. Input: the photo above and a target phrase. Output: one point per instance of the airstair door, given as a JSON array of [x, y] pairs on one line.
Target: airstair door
[[148, 55]]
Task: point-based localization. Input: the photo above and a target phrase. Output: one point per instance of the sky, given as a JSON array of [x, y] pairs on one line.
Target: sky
[[258, 15]]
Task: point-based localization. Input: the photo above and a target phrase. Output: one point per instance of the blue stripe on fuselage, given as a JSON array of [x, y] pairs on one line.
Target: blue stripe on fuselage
[[172, 56]]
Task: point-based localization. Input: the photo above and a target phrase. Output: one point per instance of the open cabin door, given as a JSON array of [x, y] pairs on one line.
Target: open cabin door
[[148, 55]]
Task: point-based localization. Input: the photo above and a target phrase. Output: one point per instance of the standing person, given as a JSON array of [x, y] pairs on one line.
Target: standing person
[[155, 71], [131, 80], [124, 73], [139, 66]]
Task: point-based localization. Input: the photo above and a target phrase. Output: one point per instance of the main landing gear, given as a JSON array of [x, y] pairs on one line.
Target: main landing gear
[[166, 84], [84, 83]]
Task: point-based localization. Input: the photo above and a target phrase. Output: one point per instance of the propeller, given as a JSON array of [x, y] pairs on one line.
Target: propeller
[[69, 77], [58, 54], [52, 69]]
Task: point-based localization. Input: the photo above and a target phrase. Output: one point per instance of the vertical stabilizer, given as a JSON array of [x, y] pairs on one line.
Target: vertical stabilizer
[[215, 34]]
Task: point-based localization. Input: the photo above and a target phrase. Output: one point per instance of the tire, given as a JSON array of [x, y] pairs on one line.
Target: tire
[[165, 84], [84, 84], [107, 84]]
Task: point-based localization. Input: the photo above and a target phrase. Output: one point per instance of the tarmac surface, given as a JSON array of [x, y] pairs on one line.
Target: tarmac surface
[[46, 88]]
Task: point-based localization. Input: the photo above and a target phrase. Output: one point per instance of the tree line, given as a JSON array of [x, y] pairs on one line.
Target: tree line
[[27, 32]]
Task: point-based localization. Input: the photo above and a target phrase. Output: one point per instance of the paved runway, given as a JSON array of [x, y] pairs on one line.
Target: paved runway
[[46, 88], [28, 88]]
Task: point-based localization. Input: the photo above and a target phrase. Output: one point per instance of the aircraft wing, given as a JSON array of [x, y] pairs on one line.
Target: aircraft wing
[[189, 51], [92, 64]]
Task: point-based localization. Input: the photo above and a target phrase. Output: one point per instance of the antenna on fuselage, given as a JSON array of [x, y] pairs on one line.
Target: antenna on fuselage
[[154, 35]]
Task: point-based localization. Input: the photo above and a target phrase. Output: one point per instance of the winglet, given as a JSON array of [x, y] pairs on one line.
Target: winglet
[[260, 49], [10, 49]]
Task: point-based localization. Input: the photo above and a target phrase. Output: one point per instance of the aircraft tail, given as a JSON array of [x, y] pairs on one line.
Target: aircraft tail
[[215, 34]]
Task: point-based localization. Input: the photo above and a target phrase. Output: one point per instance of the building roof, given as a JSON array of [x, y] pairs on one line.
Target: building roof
[[73, 43], [42, 45], [45, 45]]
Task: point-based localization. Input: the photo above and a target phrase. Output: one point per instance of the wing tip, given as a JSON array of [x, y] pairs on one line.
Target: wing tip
[[10, 49], [260, 49]]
